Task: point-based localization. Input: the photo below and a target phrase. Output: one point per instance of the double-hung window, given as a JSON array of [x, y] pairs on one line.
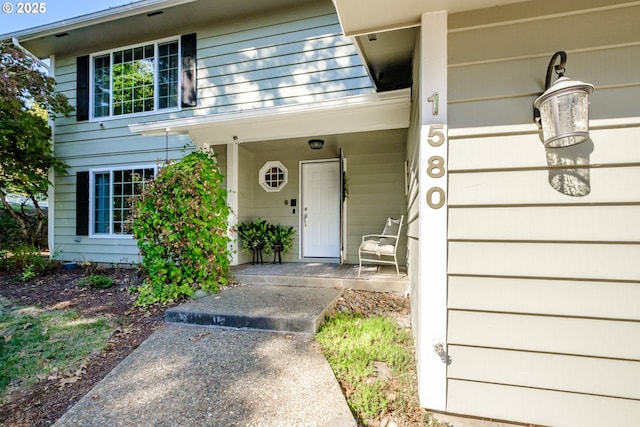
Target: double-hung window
[[137, 79], [150, 77], [110, 192]]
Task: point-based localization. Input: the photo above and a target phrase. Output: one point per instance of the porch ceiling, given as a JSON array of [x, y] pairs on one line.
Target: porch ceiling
[[386, 34], [382, 111]]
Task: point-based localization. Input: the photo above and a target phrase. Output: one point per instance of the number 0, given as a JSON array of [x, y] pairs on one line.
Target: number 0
[[435, 204]]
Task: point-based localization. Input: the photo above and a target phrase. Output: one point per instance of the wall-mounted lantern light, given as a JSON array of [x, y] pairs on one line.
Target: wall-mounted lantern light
[[562, 111], [316, 144]]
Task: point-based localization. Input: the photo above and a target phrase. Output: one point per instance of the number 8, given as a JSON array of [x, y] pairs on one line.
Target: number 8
[[436, 167]]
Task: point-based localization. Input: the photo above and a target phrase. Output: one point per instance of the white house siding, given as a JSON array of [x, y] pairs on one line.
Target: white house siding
[[376, 181], [296, 56], [543, 286], [413, 206], [292, 56]]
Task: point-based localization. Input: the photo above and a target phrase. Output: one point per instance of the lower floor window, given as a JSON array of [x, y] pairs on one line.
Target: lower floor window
[[111, 191]]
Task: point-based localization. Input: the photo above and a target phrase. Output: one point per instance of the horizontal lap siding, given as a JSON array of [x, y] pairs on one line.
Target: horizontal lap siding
[[413, 215], [547, 407], [292, 56], [545, 296], [303, 60], [550, 371], [543, 267], [375, 174]]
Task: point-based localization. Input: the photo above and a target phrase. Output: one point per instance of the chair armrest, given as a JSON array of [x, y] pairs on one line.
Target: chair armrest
[[367, 237]]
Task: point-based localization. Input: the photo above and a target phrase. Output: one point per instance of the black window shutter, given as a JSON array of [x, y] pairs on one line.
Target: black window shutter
[[82, 88], [82, 203], [189, 68]]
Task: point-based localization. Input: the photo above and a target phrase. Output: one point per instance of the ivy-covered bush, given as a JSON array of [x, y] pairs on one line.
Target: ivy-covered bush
[[180, 222]]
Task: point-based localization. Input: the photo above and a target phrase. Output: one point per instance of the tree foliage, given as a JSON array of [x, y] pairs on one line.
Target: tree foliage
[[180, 221], [27, 101]]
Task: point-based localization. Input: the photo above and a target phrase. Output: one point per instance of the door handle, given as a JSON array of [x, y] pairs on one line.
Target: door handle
[[305, 219]]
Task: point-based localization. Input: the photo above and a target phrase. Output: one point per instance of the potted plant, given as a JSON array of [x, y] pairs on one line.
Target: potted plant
[[253, 235], [279, 238]]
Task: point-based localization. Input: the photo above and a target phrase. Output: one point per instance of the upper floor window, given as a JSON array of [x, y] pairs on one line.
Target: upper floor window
[[136, 79]]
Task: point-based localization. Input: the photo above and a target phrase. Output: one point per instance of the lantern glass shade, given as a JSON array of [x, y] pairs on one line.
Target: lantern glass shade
[[564, 113], [316, 144]]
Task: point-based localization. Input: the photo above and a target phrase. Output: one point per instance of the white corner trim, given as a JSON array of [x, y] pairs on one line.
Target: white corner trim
[[433, 177]]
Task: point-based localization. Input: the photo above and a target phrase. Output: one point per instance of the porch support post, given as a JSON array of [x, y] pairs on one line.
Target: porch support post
[[433, 192], [232, 198]]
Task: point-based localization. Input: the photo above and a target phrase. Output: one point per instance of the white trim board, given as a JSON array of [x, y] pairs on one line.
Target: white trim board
[[383, 111]]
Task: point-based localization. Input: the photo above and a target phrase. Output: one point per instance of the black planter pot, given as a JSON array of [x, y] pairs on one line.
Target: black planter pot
[[257, 253], [277, 252]]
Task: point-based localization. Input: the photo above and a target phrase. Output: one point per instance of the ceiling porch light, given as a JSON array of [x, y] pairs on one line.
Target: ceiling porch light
[[316, 144]]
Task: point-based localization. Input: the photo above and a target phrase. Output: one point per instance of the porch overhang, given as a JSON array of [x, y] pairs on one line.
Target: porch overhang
[[378, 111], [386, 34], [361, 17]]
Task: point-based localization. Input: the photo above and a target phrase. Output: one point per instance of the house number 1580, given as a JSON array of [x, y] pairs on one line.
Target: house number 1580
[[436, 167]]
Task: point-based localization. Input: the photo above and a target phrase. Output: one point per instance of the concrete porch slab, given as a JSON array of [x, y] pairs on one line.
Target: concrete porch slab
[[315, 274]]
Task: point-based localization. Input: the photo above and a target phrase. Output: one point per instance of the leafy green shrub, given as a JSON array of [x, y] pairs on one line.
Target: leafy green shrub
[[97, 281], [12, 236], [27, 261], [180, 221], [10, 230]]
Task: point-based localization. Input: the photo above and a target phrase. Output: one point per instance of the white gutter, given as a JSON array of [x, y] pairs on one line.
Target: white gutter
[[17, 44], [111, 14]]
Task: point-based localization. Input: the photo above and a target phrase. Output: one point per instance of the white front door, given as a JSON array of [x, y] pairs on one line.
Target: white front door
[[320, 210]]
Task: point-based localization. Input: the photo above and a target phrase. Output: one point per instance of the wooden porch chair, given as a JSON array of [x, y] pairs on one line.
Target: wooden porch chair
[[382, 246]]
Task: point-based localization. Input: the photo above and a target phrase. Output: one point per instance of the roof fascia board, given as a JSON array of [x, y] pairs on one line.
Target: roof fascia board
[[276, 118], [107, 15]]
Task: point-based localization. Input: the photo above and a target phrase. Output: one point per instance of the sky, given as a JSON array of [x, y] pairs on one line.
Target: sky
[[48, 11]]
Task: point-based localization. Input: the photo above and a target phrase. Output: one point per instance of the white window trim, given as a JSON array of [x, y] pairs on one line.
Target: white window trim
[[92, 173], [263, 170], [155, 43]]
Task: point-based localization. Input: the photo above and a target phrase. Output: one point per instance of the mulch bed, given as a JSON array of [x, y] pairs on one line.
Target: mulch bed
[[44, 403]]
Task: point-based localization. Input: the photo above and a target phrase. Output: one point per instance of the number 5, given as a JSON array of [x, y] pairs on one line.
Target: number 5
[[436, 136]]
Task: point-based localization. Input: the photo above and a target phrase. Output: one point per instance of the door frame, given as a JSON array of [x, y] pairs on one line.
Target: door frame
[[301, 210]]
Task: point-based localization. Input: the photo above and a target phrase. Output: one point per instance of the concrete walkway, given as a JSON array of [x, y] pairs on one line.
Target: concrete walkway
[[185, 375]]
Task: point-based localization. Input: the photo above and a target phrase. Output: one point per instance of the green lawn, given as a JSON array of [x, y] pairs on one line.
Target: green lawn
[[37, 344], [373, 360]]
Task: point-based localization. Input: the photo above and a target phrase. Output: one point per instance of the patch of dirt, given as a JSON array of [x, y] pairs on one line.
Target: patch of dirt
[[46, 401]]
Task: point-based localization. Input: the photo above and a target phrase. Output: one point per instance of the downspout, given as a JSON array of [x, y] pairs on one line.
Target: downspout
[[51, 195]]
